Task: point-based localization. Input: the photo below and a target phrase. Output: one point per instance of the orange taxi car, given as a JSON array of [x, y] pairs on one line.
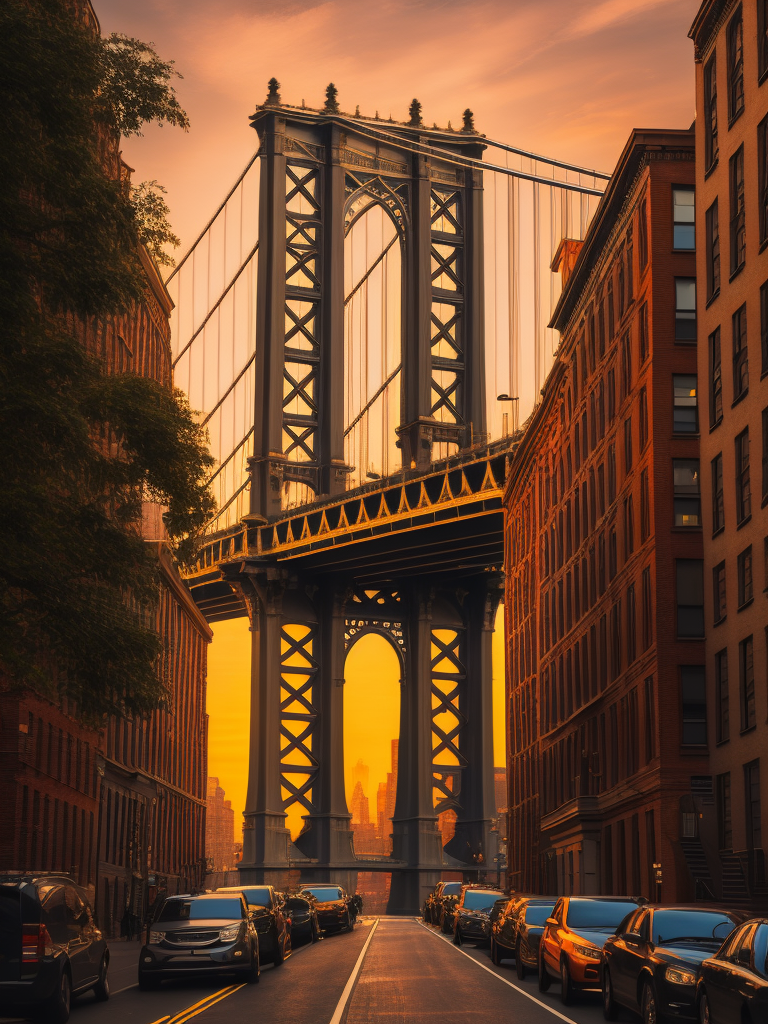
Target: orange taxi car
[[573, 939]]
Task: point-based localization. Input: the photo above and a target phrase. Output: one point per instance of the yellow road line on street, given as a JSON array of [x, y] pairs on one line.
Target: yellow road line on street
[[193, 1011], [200, 1002], [162, 1020]]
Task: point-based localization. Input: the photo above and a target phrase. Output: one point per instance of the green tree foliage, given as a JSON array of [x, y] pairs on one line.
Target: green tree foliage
[[82, 449]]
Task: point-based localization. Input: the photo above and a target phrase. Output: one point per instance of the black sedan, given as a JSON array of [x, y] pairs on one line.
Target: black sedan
[[333, 906], [531, 919], [734, 983], [472, 917], [651, 965], [193, 935], [304, 925], [267, 909], [433, 905]]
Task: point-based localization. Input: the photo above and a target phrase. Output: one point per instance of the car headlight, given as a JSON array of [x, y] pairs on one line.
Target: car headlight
[[156, 937], [230, 933], [588, 952], [679, 976]]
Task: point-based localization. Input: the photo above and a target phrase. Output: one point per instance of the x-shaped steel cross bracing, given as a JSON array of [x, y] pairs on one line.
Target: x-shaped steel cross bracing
[[300, 182], [443, 206]]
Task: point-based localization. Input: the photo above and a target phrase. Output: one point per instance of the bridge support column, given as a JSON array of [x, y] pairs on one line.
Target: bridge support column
[[265, 837], [474, 842], [329, 838], [415, 838]]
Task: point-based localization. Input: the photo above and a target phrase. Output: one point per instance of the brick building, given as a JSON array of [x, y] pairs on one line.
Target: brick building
[[607, 746], [123, 808], [731, 50]]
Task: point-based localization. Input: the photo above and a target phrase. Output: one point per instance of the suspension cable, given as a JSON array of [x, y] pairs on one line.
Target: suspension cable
[[368, 405], [371, 269]]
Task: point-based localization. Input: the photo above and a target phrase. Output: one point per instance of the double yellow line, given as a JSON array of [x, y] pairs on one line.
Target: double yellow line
[[204, 1004]]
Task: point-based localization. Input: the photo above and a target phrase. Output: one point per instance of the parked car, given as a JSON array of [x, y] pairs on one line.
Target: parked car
[[503, 928], [524, 927], [267, 908], [434, 905], [213, 933], [651, 965], [733, 984], [472, 916], [50, 946], [304, 925], [498, 908], [334, 907], [572, 941]]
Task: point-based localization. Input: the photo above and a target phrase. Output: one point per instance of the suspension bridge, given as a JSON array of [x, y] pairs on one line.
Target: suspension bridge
[[346, 323]]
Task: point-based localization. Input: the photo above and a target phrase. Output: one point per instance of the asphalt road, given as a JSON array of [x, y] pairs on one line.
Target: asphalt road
[[393, 970]]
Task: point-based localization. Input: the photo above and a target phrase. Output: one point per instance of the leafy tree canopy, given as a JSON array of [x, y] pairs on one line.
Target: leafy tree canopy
[[82, 448]]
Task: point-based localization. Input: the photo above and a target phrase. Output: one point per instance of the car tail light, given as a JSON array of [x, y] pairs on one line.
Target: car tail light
[[35, 943]]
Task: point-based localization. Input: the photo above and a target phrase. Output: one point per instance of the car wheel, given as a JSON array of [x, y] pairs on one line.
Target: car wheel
[[495, 953], [544, 979], [315, 932], [566, 985], [56, 1009], [610, 1009], [101, 988], [704, 1017], [519, 965], [648, 1009], [254, 971], [148, 983], [457, 939]]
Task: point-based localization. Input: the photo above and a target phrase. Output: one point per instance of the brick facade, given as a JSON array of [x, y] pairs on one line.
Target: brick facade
[[603, 774]]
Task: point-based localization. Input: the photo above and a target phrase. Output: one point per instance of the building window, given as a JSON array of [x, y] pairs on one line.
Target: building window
[[685, 417], [631, 625], [744, 575], [601, 328], [684, 227], [690, 597], [645, 507], [738, 228], [611, 473], [762, 39], [630, 266], [718, 501], [743, 490], [764, 488], [643, 415], [612, 553], [627, 444], [615, 640], [764, 328], [601, 409], [647, 609], [644, 345], [629, 527], [713, 252], [650, 721], [718, 592], [747, 684], [643, 233], [753, 805], [735, 53], [611, 315], [694, 703], [711, 148], [762, 178], [685, 309], [740, 354], [722, 699], [626, 365], [621, 287], [687, 492], [724, 828], [715, 379]]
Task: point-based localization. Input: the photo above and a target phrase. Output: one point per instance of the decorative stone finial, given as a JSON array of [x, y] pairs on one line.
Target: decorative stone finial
[[377, 116], [331, 101], [357, 110], [450, 127], [469, 121], [273, 94], [415, 113]]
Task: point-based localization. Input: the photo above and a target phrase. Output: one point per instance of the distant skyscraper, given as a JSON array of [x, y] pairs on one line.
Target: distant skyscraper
[[360, 813], [219, 829], [360, 774]]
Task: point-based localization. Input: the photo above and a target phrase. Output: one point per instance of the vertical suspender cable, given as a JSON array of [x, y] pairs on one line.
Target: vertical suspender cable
[[536, 291]]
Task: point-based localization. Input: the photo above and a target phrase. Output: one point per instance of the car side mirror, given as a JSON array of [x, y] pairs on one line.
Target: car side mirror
[[632, 937], [553, 920]]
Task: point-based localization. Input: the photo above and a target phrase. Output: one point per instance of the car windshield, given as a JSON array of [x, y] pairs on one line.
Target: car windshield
[[693, 925], [538, 915], [451, 889], [474, 900], [198, 910], [603, 914], [259, 897], [324, 893]]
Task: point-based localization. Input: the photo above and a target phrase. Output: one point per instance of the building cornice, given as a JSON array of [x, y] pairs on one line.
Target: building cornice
[[706, 25]]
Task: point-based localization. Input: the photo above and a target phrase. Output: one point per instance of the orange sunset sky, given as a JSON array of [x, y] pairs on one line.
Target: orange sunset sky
[[566, 78]]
